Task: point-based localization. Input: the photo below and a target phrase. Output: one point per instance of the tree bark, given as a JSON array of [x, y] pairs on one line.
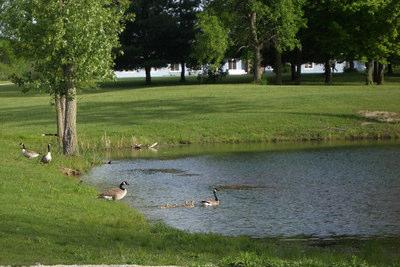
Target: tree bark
[[257, 49], [70, 136], [278, 67], [328, 72], [351, 67], [183, 72], [148, 75], [60, 112], [381, 74], [376, 72], [390, 69], [298, 74], [370, 72], [292, 71]]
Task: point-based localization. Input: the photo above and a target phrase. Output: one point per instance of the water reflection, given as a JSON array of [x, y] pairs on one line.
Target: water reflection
[[315, 192]]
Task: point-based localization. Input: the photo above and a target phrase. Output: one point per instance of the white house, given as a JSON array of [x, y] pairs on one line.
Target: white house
[[232, 67], [170, 70], [320, 68]]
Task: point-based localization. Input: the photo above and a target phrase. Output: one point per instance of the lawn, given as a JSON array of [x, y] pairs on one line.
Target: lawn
[[50, 218]]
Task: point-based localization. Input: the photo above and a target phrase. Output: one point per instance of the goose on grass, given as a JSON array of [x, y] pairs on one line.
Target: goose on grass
[[30, 154], [47, 158]]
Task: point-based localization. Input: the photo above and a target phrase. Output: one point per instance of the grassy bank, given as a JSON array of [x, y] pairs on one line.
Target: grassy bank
[[50, 218]]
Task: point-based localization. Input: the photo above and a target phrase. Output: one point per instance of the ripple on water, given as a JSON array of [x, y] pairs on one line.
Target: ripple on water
[[322, 192]]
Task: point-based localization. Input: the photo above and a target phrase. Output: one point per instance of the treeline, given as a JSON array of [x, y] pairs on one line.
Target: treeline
[[275, 32]]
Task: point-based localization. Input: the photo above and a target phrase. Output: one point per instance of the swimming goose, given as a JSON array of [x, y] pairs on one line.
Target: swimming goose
[[211, 202], [28, 153], [115, 193], [47, 158]]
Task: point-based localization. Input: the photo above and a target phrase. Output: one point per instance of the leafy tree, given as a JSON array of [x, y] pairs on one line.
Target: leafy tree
[[254, 24], [11, 65], [325, 39], [69, 43], [285, 38], [211, 41], [147, 41], [374, 27], [185, 15]]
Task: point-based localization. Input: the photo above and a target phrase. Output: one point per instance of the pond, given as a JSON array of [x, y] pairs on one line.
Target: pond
[[318, 192]]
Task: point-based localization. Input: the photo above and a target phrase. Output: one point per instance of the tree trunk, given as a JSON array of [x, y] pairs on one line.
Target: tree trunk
[[298, 74], [278, 67], [351, 67], [183, 71], [376, 72], [148, 75], [70, 137], [257, 65], [381, 74], [248, 68], [390, 69], [328, 72], [370, 72], [292, 71], [60, 111], [257, 49]]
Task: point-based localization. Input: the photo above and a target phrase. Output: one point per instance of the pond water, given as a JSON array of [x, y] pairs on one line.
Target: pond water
[[319, 192]]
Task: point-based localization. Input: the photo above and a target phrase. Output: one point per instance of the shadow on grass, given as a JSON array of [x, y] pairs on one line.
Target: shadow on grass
[[342, 79], [110, 237], [141, 112]]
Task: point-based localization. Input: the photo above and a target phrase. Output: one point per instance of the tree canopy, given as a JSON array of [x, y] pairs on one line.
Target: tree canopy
[[68, 43]]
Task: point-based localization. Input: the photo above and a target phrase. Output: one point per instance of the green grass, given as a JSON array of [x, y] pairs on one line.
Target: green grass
[[49, 218]]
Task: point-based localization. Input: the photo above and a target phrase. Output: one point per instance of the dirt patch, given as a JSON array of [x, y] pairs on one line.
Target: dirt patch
[[381, 116]]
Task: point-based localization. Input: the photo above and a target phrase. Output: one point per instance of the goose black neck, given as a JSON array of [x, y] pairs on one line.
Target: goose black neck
[[121, 186], [48, 148], [215, 196]]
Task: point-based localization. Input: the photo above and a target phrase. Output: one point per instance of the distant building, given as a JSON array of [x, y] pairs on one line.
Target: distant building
[[232, 66], [169, 71]]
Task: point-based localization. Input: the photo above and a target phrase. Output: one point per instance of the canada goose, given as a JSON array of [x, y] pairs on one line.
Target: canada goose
[[28, 153], [47, 158], [211, 202], [115, 193]]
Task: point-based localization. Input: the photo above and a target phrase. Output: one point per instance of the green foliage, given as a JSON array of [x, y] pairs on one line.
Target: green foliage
[[374, 28], [146, 40], [11, 65], [162, 32], [211, 41], [325, 36], [55, 34]]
